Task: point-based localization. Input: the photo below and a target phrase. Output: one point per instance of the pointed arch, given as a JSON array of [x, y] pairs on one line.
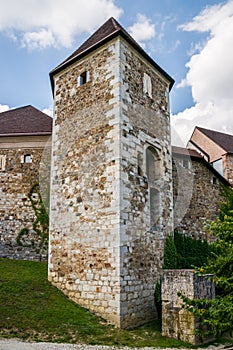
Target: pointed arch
[[153, 166]]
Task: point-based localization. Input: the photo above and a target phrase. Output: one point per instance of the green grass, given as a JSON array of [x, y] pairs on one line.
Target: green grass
[[31, 309]]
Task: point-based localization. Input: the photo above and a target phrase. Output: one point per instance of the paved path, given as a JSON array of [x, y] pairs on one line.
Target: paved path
[[13, 344]]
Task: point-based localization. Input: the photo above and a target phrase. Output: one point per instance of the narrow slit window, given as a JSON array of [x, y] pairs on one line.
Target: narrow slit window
[[213, 180], [147, 85], [140, 164], [2, 162]]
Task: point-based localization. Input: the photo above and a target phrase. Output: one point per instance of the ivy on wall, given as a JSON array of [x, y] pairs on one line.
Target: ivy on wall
[[40, 225]]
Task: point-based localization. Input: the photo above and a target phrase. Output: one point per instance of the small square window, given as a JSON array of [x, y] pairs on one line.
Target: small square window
[[83, 78], [27, 158]]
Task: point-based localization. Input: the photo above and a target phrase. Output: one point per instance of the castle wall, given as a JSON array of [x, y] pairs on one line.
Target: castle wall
[[104, 254], [197, 203], [16, 212]]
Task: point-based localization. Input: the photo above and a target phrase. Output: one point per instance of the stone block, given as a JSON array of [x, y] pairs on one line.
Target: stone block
[[176, 321]]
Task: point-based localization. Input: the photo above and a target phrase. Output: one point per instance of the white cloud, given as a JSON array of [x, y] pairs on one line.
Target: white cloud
[[209, 18], [42, 23], [196, 48], [48, 111], [4, 108], [182, 83], [210, 74], [143, 29], [38, 40]]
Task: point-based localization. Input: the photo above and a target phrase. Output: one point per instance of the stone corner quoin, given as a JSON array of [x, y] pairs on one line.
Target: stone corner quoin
[[111, 182]]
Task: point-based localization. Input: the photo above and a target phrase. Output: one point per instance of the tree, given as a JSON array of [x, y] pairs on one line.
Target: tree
[[218, 312]]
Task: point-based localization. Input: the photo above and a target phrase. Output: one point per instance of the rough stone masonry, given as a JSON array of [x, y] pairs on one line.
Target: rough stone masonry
[[111, 184]]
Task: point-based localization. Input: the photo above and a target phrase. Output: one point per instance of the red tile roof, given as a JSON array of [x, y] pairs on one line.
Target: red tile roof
[[25, 121], [109, 30], [225, 141]]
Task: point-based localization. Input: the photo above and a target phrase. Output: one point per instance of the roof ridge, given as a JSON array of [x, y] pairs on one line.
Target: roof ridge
[[214, 131], [115, 23], [25, 120], [109, 30], [88, 44], [14, 108]]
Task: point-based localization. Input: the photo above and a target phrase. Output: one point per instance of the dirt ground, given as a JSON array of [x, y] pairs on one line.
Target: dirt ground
[[14, 344]]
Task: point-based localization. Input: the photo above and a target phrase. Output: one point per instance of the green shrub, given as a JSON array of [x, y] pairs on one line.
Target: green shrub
[[170, 254], [181, 252], [191, 252]]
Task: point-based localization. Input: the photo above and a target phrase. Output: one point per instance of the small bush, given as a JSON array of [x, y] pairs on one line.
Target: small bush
[[190, 252], [170, 254]]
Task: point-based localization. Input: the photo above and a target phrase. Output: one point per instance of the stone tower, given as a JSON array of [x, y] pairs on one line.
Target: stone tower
[[111, 184]]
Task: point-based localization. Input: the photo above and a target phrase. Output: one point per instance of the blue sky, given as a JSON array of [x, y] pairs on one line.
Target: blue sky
[[191, 40]]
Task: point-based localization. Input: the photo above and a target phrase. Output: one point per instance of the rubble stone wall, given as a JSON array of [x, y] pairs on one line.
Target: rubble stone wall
[[104, 254], [177, 322], [196, 193], [16, 179]]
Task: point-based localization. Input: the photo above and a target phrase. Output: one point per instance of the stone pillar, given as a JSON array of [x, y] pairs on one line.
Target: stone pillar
[[177, 322]]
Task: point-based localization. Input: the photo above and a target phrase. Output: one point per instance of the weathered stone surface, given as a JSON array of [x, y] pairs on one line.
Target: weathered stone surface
[[196, 192], [15, 208], [104, 253], [176, 321]]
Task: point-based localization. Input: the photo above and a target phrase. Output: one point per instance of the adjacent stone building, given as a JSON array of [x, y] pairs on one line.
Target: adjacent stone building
[[111, 182], [24, 133], [196, 191], [216, 147]]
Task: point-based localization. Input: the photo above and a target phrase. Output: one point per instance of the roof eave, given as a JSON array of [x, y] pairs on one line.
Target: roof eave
[[187, 155], [200, 149], [101, 43], [27, 134]]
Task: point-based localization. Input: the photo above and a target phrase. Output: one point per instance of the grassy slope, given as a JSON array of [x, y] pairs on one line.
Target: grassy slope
[[30, 308]]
